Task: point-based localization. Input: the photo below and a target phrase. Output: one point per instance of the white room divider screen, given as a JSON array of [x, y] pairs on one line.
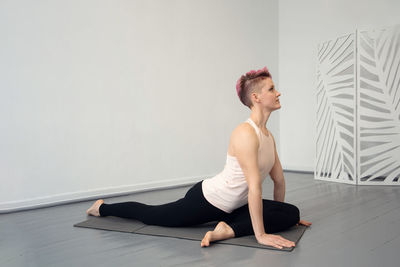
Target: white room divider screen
[[358, 112]]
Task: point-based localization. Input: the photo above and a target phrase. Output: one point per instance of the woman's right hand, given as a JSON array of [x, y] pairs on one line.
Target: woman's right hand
[[275, 241]]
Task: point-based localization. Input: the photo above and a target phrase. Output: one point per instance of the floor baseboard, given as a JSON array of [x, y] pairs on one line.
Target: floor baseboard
[[72, 197]]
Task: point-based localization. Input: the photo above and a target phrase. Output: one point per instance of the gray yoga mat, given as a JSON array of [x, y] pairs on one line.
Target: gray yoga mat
[[193, 233]]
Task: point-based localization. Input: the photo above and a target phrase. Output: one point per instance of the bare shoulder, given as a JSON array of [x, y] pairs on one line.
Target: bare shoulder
[[244, 131], [244, 136]]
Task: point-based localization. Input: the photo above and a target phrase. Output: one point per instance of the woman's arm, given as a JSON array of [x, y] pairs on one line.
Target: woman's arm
[[245, 144], [277, 177]]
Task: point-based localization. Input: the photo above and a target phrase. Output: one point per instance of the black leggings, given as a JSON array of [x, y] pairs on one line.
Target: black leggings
[[194, 209]]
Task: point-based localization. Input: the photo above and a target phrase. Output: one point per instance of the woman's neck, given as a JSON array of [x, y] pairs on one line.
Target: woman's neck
[[260, 118]]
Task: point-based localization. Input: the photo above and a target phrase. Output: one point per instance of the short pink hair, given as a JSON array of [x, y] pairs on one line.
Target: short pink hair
[[248, 83]]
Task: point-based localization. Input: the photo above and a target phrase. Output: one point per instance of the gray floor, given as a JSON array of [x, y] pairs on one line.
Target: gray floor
[[352, 226]]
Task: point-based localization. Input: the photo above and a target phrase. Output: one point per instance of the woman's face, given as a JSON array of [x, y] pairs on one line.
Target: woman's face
[[269, 96]]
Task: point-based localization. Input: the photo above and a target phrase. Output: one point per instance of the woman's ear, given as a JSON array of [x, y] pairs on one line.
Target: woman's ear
[[254, 97]]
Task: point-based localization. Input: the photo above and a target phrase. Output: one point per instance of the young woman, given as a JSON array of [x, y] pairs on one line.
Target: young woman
[[233, 197]]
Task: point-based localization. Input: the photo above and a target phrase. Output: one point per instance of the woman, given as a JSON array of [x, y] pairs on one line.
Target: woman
[[233, 197]]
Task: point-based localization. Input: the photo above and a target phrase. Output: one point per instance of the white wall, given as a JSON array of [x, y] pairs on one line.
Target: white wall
[[102, 97], [302, 26]]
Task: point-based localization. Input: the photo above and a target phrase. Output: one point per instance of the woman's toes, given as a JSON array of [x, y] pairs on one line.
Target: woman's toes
[[206, 240]]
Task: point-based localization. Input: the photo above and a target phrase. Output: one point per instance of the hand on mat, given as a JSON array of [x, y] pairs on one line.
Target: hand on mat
[[275, 240], [303, 222]]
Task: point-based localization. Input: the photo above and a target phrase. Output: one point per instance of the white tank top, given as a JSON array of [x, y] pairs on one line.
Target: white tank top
[[228, 190]]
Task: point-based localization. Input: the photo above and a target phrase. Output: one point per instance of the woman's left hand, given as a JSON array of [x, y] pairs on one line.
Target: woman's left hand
[[303, 222]]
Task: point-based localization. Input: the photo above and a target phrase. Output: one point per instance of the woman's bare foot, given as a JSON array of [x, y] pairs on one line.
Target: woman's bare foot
[[94, 209], [222, 231]]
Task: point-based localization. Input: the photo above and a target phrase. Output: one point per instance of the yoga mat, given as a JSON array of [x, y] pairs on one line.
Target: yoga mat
[[112, 224], [193, 232]]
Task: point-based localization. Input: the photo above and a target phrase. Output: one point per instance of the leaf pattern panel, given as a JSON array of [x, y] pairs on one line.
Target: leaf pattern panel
[[336, 110], [378, 106]]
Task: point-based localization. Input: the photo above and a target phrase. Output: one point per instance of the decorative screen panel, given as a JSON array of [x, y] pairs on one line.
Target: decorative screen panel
[[378, 81], [358, 108], [336, 110]]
